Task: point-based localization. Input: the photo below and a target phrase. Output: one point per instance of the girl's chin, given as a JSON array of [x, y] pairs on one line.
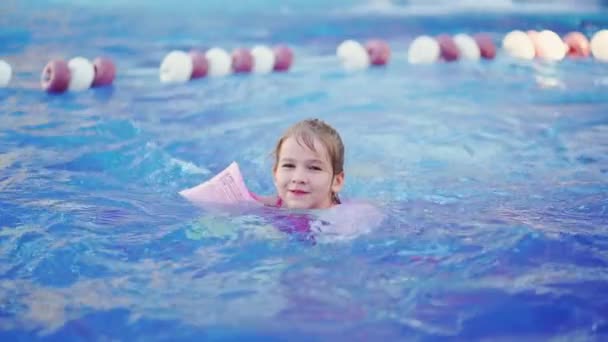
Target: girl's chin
[[291, 204]]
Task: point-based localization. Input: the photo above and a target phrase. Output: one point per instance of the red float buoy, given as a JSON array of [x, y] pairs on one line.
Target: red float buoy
[[55, 76], [199, 64], [577, 44], [486, 45], [105, 71], [449, 51], [283, 58], [242, 60], [379, 51]]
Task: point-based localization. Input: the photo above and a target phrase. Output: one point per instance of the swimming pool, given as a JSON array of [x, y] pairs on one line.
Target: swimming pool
[[492, 177]]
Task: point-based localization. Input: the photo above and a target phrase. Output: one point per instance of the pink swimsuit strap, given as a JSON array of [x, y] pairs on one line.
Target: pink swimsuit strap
[[252, 194], [279, 202]]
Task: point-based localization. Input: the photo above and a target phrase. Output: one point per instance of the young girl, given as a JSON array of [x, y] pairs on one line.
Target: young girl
[[308, 171]]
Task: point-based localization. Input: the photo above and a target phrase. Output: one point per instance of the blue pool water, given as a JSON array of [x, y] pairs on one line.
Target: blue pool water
[[492, 176]]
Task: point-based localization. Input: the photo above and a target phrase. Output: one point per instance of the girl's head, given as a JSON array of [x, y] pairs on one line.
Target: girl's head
[[308, 166]]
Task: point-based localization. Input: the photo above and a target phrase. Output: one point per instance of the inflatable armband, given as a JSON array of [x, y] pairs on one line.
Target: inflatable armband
[[227, 187]]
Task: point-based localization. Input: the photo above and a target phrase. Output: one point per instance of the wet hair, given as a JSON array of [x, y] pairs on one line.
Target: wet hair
[[305, 132]]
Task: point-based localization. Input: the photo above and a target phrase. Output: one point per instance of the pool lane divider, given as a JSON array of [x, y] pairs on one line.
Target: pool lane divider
[[545, 45], [353, 55], [180, 66], [422, 50], [77, 74]]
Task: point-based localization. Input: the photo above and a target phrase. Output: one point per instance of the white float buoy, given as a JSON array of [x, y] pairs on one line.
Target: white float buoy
[[6, 72], [263, 59], [599, 45], [176, 67], [219, 62], [518, 45], [353, 55], [423, 50], [550, 46], [82, 74], [467, 46]]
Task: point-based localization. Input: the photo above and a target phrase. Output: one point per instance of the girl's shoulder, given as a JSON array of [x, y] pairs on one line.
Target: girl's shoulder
[[347, 221], [353, 210]]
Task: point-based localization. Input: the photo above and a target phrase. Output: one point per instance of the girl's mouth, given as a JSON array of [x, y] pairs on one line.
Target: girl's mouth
[[298, 192]]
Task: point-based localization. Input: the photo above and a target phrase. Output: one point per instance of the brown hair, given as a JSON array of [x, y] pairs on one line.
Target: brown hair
[[305, 132]]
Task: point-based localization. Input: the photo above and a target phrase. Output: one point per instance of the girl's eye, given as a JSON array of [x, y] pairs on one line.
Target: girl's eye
[[316, 168], [287, 166]]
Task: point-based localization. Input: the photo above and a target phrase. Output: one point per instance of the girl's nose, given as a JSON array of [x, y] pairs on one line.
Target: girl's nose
[[299, 176]]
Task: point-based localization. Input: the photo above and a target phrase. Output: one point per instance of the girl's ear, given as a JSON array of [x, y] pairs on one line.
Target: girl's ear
[[338, 182]]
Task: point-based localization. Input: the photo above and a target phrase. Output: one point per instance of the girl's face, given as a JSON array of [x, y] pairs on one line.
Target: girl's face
[[304, 178]]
